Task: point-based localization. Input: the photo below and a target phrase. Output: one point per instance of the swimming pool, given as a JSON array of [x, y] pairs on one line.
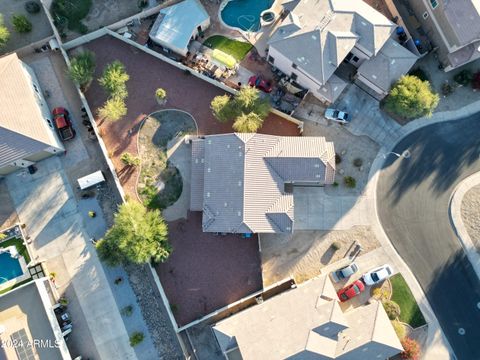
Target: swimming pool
[[9, 268], [245, 14]]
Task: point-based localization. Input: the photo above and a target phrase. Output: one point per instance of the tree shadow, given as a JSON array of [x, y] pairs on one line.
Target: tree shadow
[[441, 154]]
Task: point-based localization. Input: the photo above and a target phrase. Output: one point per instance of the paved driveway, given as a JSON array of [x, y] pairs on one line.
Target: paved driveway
[[45, 203], [413, 202], [315, 210]]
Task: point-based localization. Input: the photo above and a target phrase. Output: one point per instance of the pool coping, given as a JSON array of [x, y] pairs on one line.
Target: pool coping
[[243, 32]]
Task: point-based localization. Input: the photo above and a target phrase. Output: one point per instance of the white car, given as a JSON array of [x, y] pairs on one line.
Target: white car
[[344, 272], [338, 116], [377, 275]]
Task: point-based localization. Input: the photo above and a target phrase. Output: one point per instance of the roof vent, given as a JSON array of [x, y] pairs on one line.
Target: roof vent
[[225, 204], [209, 170], [208, 194], [239, 213]]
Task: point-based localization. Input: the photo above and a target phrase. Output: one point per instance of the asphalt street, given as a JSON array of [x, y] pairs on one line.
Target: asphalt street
[[413, 203]]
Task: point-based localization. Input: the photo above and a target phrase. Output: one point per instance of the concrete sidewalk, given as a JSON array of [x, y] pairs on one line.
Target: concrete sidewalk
[[456, 217]]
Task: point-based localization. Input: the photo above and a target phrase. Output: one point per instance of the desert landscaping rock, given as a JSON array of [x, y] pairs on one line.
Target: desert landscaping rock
[[471, 214]]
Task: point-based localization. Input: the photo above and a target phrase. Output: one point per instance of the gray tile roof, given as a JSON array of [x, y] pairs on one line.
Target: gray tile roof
[[318, 44], [308, 323], [464, 19], [23, 129], [391, 63], [244, 178]]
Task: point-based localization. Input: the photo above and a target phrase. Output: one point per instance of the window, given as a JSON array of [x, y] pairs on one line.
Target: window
[[49, 123], [271, 60], [434, 3], [35, 87], [355, 59], [294, 65], [294, 76], [425, 15]]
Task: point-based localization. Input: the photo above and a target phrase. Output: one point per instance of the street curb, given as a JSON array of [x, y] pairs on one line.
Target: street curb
[[457, 221]]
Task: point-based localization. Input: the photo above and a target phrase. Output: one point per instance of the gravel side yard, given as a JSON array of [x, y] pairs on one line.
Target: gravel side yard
[[147, 73], [303, 254], [471, 214]]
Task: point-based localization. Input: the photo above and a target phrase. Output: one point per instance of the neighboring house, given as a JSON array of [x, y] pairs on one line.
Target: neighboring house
[[27, 133], [453, 26], [244, 183], [27, 319], [179, 24], [316, 37], [308, 323]]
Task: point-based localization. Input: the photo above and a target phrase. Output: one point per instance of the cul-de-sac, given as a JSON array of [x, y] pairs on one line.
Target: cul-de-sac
[[239, 179]]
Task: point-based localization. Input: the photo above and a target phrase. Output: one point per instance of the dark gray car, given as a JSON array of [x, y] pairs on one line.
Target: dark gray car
[[344, 272]]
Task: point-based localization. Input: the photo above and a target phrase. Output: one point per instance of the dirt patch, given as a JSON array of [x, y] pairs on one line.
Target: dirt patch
[[160, 183], [303, 254], [147, 73], [470, 210], [206, 272]]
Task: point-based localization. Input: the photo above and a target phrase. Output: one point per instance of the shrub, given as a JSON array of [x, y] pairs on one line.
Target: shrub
[[32, 7], [399, 329], [4, 33], [21, 24], [357, 162], [349, 182], [447, 89], [411, 349], [392, 309], [127, 310], [335, 184], [464, 77], [142, 3], [129, 159], [338, 158], [335, 246], [113, 109], [82, 68], [136, 338], [222, 108], [381, 293], [3, 236], [476, 80], [411, 98]]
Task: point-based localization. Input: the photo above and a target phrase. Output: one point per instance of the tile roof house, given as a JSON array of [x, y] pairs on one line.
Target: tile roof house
[[27, 134], [178, 24], [242, 182], [453, 27], [316, 36], [308, 323]]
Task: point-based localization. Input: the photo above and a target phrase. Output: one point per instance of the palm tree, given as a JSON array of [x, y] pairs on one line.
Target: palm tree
[[114, 78], [113, 109], [82, 68], [248, 123]]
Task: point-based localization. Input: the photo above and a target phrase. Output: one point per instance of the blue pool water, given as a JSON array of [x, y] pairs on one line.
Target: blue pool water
[[9, 268], [245, 14]]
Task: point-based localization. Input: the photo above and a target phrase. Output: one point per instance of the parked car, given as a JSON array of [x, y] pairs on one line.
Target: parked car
[[377, 275], [337, 115], [260, 83], [344, 272], [63, 124], [351, 290]]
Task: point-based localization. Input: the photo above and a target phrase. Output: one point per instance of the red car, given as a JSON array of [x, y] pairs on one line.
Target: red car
[[260, 83], [351, 290], [63, 124]]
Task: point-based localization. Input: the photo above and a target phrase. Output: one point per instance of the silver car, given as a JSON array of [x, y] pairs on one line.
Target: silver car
[[344, 272], [338, 116]]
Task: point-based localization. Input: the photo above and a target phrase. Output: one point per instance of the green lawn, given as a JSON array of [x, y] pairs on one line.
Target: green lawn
[[22, 250], [237, 49], [402, 295]]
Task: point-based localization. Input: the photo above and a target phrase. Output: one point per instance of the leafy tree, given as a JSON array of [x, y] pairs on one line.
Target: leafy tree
[[411, 349], [113, 109], [137, 236], [411, 98], [129, 159], [4, 33], [399, 329], [222, 108], [21, 23], [246, 108], [114, 78], [246, 123], [82, 68]]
